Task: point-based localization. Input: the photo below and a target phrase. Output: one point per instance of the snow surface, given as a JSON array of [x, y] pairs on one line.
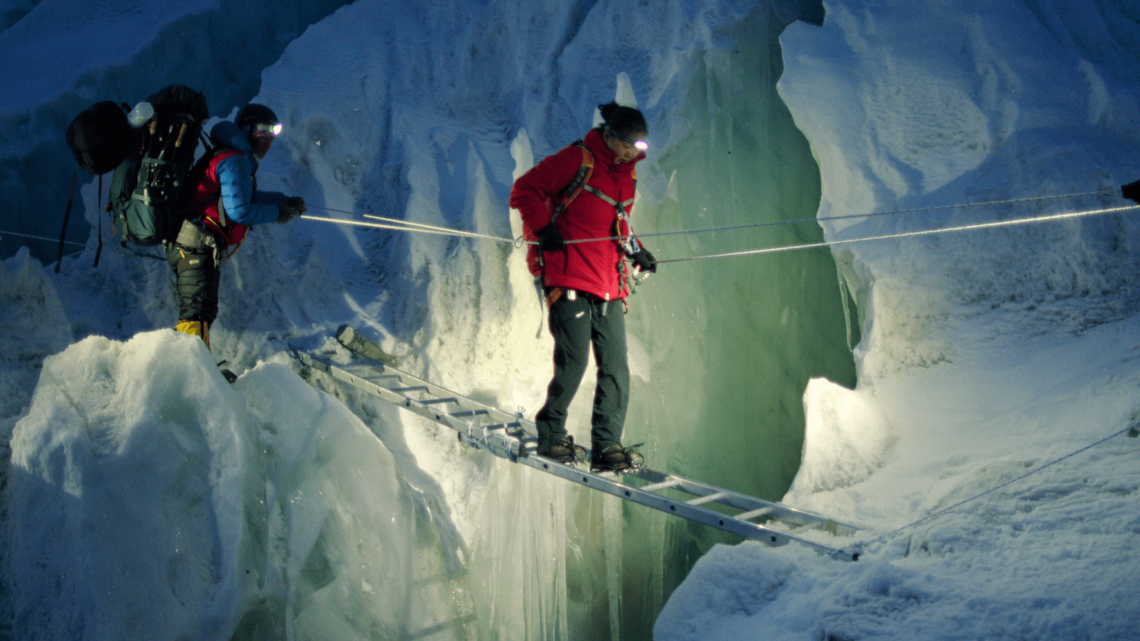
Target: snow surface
[[146, 498]]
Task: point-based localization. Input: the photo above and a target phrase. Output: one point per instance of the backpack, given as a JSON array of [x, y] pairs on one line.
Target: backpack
[[147, 187], [567, 196], [100, 137]]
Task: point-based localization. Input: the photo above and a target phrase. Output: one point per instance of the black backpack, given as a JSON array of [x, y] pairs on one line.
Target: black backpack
[[151, 162], [100, 137], [147, 187]]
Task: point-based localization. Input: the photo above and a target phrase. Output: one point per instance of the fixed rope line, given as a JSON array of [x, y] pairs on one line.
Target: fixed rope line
[[860, 546], [801, 221], [54, 240], [910, 234], [410, 226], [407, 225], [399, 225], [415, 227]]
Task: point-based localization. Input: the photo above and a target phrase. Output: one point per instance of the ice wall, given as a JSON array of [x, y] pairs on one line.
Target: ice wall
[[1024, 101], [987, 355]]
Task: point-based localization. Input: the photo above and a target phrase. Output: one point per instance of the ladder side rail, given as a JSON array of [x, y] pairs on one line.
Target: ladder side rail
[[435, 390], [498, 443], [353, 375], [615, 487], [744, 502], [770, 509], [699, 489], [506, 446]]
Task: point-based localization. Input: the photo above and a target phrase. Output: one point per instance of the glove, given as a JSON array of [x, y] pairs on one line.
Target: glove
[[293, 207], [1131, 191], [550, 239], [645, 261]]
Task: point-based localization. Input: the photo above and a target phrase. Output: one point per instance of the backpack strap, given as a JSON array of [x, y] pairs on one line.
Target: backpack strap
[[66, 217], [196, 176], [585, 170]]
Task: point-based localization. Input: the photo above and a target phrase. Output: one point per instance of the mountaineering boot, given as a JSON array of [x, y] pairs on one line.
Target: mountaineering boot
[[227, 374], [564, 451], [615, 458]]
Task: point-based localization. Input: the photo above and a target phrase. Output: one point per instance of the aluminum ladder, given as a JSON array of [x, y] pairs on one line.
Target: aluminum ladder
[[512, 437]]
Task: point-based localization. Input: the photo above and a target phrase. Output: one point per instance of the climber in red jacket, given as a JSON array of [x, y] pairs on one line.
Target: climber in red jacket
[[586, 283]]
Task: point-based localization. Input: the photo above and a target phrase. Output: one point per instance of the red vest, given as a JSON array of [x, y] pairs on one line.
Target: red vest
[[211, 213]]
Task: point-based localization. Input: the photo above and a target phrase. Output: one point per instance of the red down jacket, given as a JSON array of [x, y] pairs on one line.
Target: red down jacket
[[593, 267]]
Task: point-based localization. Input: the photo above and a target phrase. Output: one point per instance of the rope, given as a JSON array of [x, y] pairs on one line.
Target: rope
[[911, 234], [801, 221], [66, 242], [859, 546], [401, 225], [406, 226]]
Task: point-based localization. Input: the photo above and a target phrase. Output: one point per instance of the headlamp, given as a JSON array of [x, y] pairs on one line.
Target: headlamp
[[274, 129], [641, 145]]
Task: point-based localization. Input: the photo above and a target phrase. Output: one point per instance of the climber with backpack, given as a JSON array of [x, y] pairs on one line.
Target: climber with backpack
[[568, 201], [198, 211], [224, 203]]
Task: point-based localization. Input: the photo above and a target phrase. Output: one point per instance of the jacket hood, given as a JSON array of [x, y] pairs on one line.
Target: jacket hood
[[227, 133]]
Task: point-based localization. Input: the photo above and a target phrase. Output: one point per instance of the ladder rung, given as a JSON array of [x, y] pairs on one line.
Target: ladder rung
[[472, 413], [708, 498], [764, 511], [417, 388], [440, 400], [664, 485]]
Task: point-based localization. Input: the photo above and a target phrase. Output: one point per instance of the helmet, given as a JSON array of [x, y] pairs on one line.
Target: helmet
[[254, 114]]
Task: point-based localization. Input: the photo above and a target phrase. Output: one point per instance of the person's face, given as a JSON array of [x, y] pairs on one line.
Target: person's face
[[627, 149], [261, 139]]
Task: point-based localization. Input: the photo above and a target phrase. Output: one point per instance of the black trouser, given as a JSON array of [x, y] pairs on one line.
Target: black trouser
[[197, 282], [576, 324]]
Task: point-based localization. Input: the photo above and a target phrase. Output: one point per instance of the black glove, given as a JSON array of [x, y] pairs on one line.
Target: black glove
[[1131, 191], [643, 259], [293, 207], [550, 239]]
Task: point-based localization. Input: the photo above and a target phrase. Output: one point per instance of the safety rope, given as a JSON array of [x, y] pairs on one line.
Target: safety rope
[[54, 240], [400, 225], [910, 234], [407, 226], [801, 221], [859, 547]]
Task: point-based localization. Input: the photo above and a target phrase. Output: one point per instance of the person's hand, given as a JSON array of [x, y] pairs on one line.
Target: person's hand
[[1131, 191], [293, 207], [296, 203], [645, 261], [550, 239]]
